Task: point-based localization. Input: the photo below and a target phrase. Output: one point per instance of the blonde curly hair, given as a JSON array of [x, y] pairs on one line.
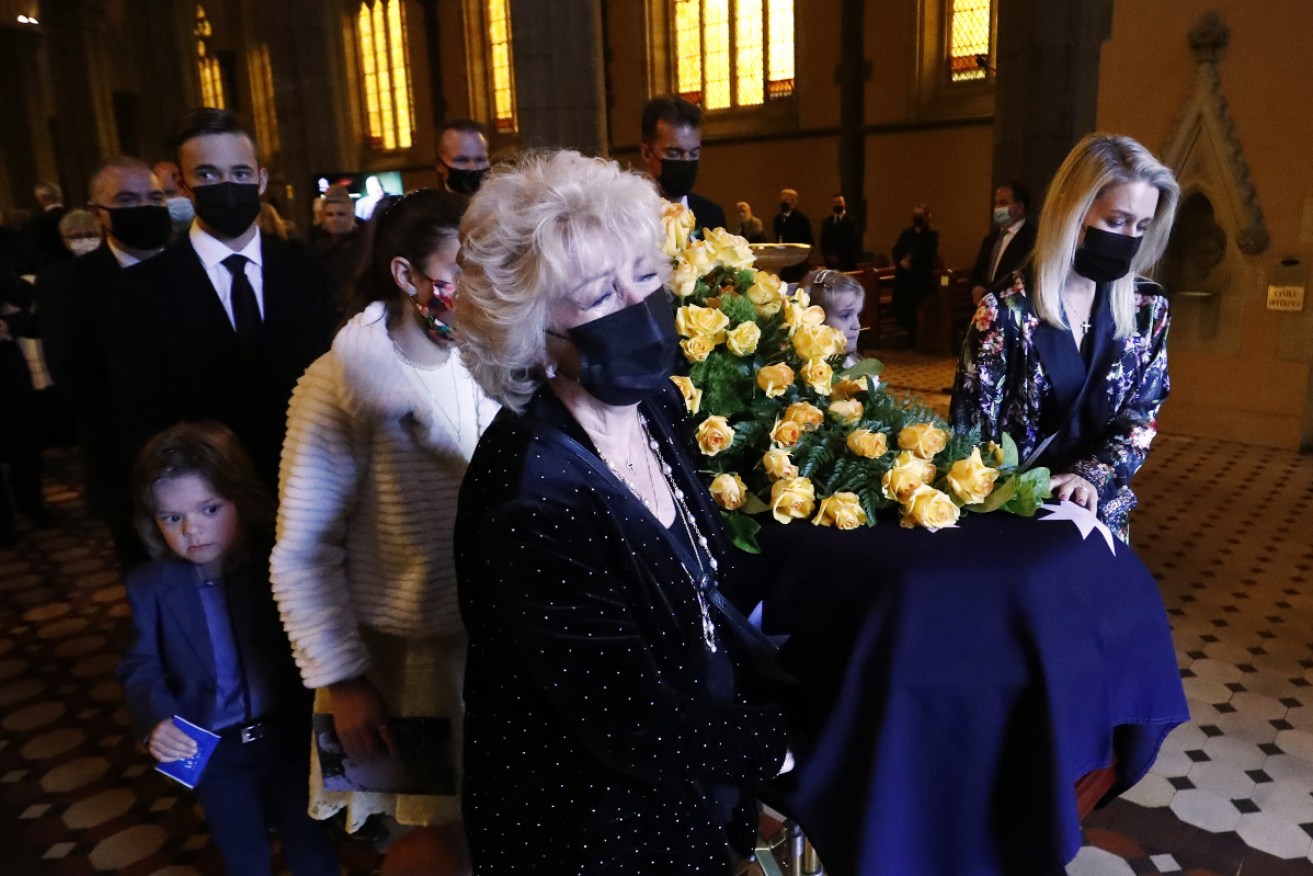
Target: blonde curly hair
[[525, 241]]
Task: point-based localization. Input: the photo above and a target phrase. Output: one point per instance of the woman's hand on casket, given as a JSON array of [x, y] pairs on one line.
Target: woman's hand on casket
[[1073, 487]]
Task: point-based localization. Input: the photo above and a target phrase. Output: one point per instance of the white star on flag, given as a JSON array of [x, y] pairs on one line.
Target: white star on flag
[[1084, 520]]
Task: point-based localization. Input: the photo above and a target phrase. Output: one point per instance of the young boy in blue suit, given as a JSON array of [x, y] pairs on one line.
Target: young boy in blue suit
[[208, 647]]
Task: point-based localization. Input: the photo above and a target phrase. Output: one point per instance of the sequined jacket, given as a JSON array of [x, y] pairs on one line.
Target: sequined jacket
[[1024, 377], [593, 741]]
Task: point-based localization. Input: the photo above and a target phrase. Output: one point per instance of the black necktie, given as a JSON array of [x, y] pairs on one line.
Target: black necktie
[[246, 312]]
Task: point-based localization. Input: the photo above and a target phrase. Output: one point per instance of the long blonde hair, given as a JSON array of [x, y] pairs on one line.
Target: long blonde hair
[[1098, 162]]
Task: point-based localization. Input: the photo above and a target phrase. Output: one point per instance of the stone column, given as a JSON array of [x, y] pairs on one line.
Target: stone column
[[78, 54], [1046, 96], [307, 54], [853, 73], [167, 70], [560, 88], [25, 134]]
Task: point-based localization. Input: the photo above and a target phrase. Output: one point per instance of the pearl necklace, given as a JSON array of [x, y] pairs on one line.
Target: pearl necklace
[[704, 580], [417, 374]]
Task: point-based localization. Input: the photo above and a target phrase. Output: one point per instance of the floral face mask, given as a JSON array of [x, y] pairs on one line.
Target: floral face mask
[[444, 299]]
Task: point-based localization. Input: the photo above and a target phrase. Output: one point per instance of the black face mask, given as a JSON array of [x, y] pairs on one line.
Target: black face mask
[[677, 177], [918, 222], [145, 227], [464, 181], [629, 355], [1104, 257], [785, 206], [229, 208], [838, 211]]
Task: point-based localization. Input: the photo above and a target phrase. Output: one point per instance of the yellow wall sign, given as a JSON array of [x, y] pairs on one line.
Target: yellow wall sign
[[1289, 298]]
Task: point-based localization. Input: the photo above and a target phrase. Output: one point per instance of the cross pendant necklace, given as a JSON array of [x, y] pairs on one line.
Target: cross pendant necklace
[[1085, 325]]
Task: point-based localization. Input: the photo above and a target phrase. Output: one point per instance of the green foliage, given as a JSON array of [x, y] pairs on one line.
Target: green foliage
[[743, 531], [1032, 488], [738, 309]]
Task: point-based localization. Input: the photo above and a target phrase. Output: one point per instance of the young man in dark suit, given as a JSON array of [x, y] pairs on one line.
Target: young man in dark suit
[[223, 323], [1007, 247], [671, 149], [129, 202]]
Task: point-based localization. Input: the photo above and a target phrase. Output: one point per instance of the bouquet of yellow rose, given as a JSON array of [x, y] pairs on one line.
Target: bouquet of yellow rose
[[782, 431]]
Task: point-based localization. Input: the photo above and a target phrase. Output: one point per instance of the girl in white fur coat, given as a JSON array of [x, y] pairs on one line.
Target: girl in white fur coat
[[380, 430]]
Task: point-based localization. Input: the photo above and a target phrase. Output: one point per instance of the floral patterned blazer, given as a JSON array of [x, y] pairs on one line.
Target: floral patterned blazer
[[1020, 375]]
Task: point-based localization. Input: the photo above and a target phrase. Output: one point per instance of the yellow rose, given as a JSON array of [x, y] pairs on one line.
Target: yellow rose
[[847, 388], [864, 442], [793, 499], [801, 298], [842, 511], [700, 257], [815, 341], [742, 341], [693, 321], [847, 412], [806, 415], [930, 509], [714, 435], [786, 433], [729, 491], [692, 395], [775, 379], [766, 293], [923, 439], [683, 279], [971, 480], [731, 250], [996, 451], [677, 222], [778, 465], [696, 349], [909, 471], [818, 374], [798, 315]]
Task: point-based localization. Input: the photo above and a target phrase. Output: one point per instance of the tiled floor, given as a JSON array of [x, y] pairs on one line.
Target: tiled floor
[[1223, 527]]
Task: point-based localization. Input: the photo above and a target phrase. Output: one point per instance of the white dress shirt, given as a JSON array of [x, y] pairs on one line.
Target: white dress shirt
[[125, 259], [212, 253], [1005, 237]]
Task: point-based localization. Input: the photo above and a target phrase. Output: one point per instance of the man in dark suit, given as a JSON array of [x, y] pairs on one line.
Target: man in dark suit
[[131, 206], [792, 226], [41, 244], [839, 238], [1009, 245], [915, 253], [671, 148], [223, 323]]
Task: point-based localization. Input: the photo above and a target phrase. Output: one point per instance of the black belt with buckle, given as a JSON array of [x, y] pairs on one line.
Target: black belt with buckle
[[246, 733]]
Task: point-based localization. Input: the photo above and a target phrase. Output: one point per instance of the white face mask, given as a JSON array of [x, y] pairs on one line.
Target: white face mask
[[181, 209], [83, 245], [1002, 216]]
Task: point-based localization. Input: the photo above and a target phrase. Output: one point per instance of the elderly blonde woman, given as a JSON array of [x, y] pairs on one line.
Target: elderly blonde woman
[[605, 731], [1069, 357]]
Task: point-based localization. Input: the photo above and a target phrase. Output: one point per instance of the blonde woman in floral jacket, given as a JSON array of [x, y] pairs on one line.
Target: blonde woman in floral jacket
[[380, 431], [1069, 356]]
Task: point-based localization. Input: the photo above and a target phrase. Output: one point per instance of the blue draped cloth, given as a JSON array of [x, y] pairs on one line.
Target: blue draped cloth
[[956, 685]]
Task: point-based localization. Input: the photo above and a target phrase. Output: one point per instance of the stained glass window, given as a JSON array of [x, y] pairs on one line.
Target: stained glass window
[[732, 53], [503, 68], [261, 75], [382, 45], [207, 65], [968, 29]]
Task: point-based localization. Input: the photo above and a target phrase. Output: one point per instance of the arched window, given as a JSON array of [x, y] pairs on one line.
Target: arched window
[[385, 73], [261, 75], [970, 26], [207, 64], [733, 53], [501, 64]]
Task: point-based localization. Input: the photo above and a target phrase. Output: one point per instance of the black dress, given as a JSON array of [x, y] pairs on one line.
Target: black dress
[[598, 734]]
